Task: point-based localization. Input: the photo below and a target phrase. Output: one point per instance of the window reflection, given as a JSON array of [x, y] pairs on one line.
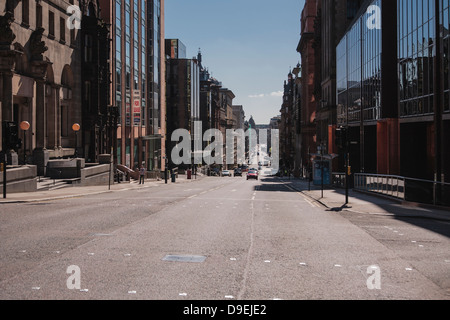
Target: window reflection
[[416, 38]]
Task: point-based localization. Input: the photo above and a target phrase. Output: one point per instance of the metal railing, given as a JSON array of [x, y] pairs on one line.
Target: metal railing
[[408, 189]]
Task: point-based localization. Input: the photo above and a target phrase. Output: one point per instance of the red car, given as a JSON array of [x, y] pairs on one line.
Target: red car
[[252, 174]]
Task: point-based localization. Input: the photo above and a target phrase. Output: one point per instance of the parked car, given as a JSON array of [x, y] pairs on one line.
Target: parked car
[[226, 173], [214, 172], [238, 172], [252, 174]]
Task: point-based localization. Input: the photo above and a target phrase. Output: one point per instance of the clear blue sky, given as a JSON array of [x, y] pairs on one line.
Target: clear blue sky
[[249, 45]]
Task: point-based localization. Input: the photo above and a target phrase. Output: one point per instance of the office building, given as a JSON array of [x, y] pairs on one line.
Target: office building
[[183, 92], [393, 89], [138, 81]]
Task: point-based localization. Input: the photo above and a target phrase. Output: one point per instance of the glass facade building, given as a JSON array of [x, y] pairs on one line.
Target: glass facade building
[[423, 42], [445, 18], [417, 39], [393, 89], [359, 73], [137, 75], [416, 54]]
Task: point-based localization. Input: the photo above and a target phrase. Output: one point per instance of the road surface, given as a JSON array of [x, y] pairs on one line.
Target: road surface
[[216, 239]]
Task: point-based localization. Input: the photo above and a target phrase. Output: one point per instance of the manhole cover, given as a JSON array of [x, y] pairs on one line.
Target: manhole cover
[[184, 258]]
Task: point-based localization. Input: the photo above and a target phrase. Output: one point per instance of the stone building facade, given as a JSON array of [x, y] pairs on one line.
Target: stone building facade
[[40, 78]]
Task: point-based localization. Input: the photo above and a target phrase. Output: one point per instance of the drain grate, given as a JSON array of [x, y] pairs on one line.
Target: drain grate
[[184, 258]]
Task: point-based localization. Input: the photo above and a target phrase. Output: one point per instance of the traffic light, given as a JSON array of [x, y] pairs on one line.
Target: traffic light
[[10, 136]]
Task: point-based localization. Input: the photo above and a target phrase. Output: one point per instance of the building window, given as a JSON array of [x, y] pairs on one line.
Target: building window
[[62, 29], [25, 12], [64, 121], [136, 79], [38, 15], [51, 24], [72, 37], [416, 53]]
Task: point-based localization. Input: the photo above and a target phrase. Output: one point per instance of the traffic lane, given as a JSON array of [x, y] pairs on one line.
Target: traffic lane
[[419, 241], [34, 232], [130, 257], [250, 254], [303, 252]]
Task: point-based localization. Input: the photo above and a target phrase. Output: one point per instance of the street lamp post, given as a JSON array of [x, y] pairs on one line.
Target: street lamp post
[[321, 166], [3, 164], [25, 126], [347, 165], [76, 127], [165, 169]]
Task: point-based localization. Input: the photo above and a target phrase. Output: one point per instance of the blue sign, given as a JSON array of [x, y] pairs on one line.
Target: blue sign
[[326, 165]]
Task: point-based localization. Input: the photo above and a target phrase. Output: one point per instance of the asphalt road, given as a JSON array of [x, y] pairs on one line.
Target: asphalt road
[[228, 239]]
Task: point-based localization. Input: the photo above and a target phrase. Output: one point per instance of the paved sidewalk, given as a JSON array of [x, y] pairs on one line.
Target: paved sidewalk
[[359, 202], [73, 192]]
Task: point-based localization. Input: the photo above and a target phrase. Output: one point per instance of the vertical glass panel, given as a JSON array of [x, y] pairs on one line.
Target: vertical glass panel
[[431, 8], [447, 101], [432, 29]]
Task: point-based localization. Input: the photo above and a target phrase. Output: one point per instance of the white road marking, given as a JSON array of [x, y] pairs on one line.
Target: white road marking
[[310, 203]]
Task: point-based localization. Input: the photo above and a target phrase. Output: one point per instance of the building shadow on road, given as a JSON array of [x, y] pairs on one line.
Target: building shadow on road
[[431, 218]]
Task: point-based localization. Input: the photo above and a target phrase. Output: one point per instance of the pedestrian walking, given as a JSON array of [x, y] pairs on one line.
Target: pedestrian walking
[[142, 175]]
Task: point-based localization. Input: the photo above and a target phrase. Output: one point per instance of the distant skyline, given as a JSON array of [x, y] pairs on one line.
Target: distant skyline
[[248, 45]]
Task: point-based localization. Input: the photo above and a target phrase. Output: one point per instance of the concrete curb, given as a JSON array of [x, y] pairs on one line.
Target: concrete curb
[[404, 204], [83, 193]]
